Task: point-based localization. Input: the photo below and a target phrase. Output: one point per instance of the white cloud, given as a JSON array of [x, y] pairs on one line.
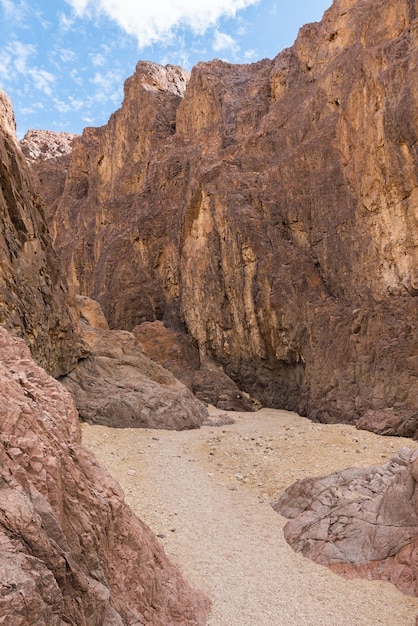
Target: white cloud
[[5, 61], [108, 87], [16, 57], [42, 79], [223, 41], [21, 52], [65, 22], [250, 55], [15, 11], [66, 55], [153, 21], [98, 59]]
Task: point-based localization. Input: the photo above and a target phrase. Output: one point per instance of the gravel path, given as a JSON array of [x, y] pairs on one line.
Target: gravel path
[[206, 494]]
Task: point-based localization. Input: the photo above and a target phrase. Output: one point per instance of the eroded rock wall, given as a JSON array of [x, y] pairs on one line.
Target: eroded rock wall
[[71, 550], [34, 299], [271, 210]]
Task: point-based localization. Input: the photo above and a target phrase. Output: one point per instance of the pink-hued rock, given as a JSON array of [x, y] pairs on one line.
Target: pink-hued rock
[[361, 522], [71, 551]]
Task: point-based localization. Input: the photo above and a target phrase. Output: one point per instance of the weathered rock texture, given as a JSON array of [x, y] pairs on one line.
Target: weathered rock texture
[[175, 351], [71, 551], [52, 153], [362, 523], [118, 385], [271, 209], [34, 299]]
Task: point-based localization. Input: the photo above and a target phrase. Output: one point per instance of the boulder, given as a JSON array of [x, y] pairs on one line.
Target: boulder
[[118, 385], [71, 550], [360, 522], [175, 351]]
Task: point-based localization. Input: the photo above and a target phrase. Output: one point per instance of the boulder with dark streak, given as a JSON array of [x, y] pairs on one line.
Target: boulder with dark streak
[[118, 385]]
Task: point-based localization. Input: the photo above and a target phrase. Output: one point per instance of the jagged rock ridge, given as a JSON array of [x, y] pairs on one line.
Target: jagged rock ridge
[[271, 211]]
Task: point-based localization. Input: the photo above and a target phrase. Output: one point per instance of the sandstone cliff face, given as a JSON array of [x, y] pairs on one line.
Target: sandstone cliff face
[[271, 209], [361, 522], [34, 299], [71, 551]]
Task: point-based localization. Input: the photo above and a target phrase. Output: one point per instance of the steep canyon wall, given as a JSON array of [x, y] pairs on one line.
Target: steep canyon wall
[[269, 209], [35, 302]]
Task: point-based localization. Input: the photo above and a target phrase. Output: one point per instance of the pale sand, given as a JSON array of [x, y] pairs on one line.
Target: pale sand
[[208, 491]]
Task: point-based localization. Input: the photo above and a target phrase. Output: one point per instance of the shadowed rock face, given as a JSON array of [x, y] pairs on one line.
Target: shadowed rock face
[[271, 209], [71, 551], [362, 523], [34, 299], [175, 351]]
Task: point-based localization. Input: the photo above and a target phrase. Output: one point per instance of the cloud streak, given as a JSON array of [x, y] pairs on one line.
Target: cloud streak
[[156, 20]]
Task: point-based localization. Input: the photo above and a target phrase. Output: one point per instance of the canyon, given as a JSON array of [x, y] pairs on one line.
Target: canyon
[[268, 211], [243, 236]]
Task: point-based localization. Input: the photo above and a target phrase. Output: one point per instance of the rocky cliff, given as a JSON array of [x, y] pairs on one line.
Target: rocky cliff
[[269, 209], [71, 551], [34, 299]]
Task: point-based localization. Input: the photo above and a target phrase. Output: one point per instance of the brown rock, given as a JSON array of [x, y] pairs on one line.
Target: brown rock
[[175, 351], [362, 523], [52, 153], [272, 210], [71, 550], [34, 299], [118, 385]]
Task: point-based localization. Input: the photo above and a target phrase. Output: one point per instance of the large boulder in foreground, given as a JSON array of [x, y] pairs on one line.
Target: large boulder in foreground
[[118, 385], [362, 523], [72, 552]]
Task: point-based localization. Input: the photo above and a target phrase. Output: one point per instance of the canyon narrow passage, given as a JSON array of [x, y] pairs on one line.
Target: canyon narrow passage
[[206, 494]]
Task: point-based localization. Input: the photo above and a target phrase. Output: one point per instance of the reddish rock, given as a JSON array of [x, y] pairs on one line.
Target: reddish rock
[[271, 209], [362, 523], [175, 351], [34, 299], [118, 385], [71, 550]]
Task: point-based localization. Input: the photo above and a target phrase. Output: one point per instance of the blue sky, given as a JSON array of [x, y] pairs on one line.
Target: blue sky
[[63, 62]]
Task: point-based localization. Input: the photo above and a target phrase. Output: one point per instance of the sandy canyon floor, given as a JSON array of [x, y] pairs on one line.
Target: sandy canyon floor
[[206, 493]]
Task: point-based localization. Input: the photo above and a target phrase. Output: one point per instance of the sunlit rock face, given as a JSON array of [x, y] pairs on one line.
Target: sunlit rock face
[[270, 210]]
